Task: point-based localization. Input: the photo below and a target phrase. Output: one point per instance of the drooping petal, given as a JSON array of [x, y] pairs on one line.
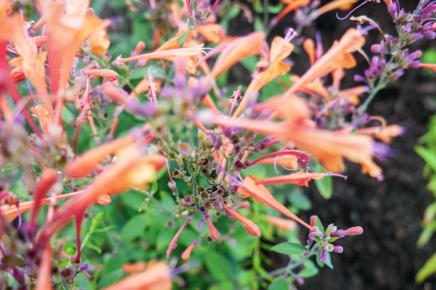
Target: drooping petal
[[84, 164], [212, 229], [129, 170], [262, 195], [69, 24], [173, 243], [249, 226], [186, 255], [169, 54], [282, 223], [385, 134], [336, 4], [338, 56], [155, 277], [238, 50], [299, 178]]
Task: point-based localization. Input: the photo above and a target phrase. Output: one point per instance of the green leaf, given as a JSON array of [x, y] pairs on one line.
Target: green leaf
[[288, 248], [133, 199], [325, 186], [300, 200], [328, 261], [427, 270], [309, 270], [218, 266], [428, 156], [134, 228], [279, 284]]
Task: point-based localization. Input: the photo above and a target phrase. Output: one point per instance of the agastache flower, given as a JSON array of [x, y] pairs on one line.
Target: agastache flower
[[186, 255], [338, 56], [173, 243], [299, 178], [260, 193], [280, 49], [249, 226], [157, 275], [236, 51]]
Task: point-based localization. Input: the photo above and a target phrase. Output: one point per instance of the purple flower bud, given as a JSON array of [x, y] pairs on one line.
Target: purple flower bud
[[83, 267], [359, 78], [429, 34], [393, 9], [338, 234], [376, 48], [338, 249], [299, 279]]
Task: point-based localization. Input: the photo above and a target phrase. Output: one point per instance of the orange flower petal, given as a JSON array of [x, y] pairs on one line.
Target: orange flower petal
[[299, 178], [238, 50], [262, 195], [249, 226], [155, 277], [212, 229]]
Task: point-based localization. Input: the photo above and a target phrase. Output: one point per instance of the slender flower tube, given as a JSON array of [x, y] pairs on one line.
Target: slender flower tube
[[299, 178], [157, 276], [249, 226], [249, 188], [173, 243]]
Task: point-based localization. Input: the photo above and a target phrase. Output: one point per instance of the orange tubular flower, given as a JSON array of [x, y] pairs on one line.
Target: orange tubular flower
[[69, 24], [238, 50], [299, 178], [173, 243], [131, 169], [336, 4], [249, 188], [280, 49], [11, 212], [384, 134], [292, 5], [186, 255], [106, 74], [249, 226], [99, 41], [338, 56], [13, 29], [212, 229], [309, 47], [286, 161], [83, 165], [169, 54], [429, 66], [155, 277], [281, 223]]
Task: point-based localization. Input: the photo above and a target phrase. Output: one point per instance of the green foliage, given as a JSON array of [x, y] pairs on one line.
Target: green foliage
[[427, 151]]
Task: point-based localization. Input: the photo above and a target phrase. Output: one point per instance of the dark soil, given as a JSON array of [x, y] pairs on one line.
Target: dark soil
[[386, 256]]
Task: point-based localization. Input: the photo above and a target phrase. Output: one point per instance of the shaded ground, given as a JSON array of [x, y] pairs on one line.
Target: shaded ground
[[386, 257]]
